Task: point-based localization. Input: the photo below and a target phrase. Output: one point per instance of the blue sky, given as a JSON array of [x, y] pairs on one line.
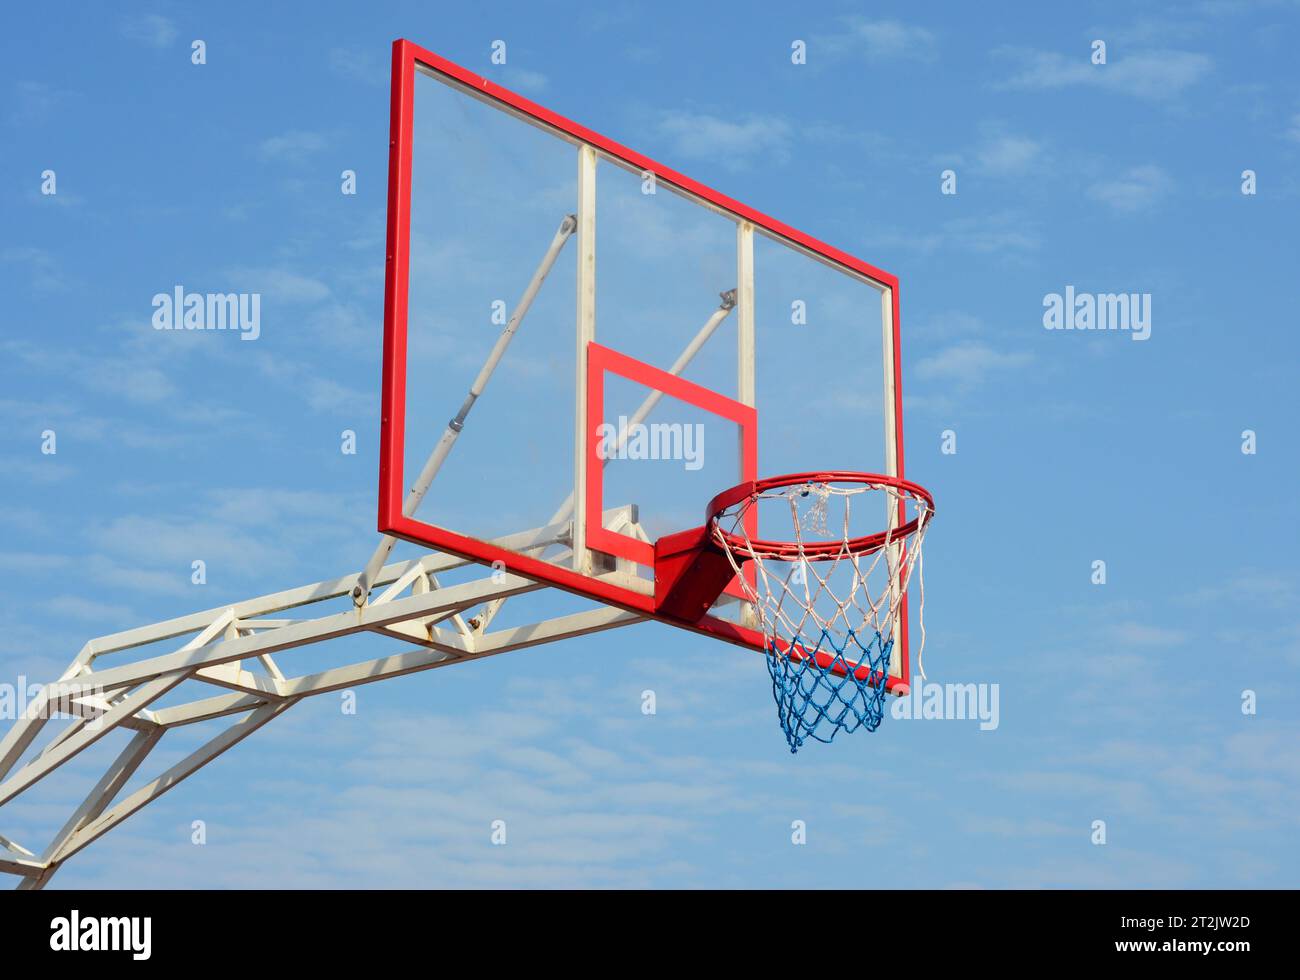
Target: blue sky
[[1119, 702]]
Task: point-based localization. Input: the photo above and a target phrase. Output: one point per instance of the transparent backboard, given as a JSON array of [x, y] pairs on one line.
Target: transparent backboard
[[648, 343]]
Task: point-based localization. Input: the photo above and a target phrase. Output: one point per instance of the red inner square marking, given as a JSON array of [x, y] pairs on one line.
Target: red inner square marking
[[601, 360]]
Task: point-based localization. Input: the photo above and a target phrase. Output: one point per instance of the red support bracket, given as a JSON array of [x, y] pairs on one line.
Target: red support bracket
[[691, 571]]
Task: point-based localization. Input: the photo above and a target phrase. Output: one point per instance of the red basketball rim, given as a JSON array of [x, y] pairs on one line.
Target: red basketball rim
[[794, 551]]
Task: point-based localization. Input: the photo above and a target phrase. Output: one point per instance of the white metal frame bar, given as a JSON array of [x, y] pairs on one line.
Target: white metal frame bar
[[585, 333], [893, 556]]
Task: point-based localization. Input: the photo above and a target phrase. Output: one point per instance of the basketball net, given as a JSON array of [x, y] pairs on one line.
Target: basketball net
[[829, 604]]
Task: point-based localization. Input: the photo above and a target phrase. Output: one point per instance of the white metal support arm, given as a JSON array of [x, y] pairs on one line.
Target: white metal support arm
[[242, 651]]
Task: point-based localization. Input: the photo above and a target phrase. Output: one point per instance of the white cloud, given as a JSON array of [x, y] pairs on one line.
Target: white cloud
[[283, 285], [34, 102], [1151, 30], [523, 80], [293, 146], [30, 562], [1004, 233], [128, 575], [362, 66], [1278, 590], [952, 323], [39, 268], [129, 378], [265, 507], [1135, 190], [342, 324], [1018, 828], [968, 363], [81, 608], [1124, 868], [151, 29], [1156, 74], [325, 395], [43, 470], [176, 541], [878, 40], [1142, 635], [1007, 155], [734, 144]]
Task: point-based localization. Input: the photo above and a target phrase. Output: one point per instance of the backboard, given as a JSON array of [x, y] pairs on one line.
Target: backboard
[[585, 346]]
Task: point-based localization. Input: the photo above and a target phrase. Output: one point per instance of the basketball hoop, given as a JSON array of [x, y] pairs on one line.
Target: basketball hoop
[[826, 605]]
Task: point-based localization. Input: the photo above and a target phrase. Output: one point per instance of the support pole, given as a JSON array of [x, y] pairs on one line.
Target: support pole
[[894, 507], [746, 382], [585, 333]]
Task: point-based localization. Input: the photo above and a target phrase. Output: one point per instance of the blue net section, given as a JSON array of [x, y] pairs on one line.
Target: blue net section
[[831, 690]]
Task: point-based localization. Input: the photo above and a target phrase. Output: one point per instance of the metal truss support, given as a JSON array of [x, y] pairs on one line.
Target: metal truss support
[[241, 653]]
